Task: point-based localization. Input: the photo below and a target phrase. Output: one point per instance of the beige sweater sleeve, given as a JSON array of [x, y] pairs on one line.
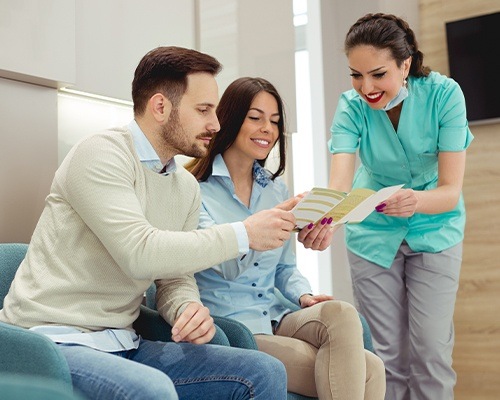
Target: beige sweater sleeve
[[172, 295], [100, 185]]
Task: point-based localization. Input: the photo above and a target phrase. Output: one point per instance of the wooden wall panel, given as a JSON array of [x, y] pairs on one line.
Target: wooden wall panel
[[477, 315]]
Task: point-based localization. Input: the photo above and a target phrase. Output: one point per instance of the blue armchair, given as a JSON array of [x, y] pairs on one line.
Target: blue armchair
[[31, 363]]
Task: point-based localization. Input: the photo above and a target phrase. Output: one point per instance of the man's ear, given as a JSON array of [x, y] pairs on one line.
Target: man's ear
[[160, 107]]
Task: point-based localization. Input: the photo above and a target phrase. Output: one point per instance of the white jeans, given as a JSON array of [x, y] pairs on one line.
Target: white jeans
[[409, 308]]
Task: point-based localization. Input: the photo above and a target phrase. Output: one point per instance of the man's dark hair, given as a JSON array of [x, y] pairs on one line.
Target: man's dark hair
[[164, 70]]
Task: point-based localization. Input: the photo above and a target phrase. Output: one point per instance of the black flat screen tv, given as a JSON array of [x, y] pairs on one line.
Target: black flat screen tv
[[473, 47]]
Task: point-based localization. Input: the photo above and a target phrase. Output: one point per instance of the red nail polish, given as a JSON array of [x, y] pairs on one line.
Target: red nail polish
[[329, 220], [310, 226], [323, 221]]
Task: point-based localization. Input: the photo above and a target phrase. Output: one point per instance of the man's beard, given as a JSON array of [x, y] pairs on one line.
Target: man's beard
[[175, 137]]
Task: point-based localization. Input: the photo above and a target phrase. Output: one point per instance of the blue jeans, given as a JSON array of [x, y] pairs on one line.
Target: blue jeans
[[159, 370]]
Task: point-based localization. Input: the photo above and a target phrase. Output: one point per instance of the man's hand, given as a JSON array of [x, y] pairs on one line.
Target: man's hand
[[287, 205], [269, 229], [194, 325], [307, 300]]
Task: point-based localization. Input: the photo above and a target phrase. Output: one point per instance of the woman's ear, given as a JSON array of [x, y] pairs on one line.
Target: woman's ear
[[160, 107], [406, 66]]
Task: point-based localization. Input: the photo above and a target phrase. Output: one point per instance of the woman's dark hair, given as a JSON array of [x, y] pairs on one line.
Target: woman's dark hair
[[386, 31], [164, 70], [232, 111]]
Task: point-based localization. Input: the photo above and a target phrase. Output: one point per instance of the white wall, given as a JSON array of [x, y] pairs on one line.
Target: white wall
[[28, 155], [91, 45], [113, 35], [37, 38]]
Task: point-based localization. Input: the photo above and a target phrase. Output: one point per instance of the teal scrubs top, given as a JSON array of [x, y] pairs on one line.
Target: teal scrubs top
[[433, 119]]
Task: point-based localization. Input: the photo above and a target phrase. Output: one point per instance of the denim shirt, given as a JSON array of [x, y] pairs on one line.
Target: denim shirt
[[243, 288], [433, 119]]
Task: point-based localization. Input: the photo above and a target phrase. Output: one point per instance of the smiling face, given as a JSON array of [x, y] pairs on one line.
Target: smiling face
[[259, 131], [192, 124], [375, 74]]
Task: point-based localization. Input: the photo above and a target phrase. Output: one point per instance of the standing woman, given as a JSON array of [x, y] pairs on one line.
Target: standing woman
[[321, 344], [409, 126]]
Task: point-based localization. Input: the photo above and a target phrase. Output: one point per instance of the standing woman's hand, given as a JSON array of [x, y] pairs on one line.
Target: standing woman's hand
[[403, 203]]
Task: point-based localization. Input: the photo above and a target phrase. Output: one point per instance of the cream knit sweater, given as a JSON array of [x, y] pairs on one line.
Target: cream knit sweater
[[109, 228]]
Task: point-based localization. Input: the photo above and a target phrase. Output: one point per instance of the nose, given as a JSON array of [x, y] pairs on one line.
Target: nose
[[267, 126], [366, 86], [214, 125]]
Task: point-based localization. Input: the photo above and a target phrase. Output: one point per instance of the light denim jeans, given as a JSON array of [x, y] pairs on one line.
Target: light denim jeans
[[171, 371]]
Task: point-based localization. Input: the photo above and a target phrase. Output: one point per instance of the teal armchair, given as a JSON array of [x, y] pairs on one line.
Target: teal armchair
[[31, 363]]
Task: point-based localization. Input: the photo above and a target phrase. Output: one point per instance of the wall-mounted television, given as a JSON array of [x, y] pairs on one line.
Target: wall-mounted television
[[473, 47]]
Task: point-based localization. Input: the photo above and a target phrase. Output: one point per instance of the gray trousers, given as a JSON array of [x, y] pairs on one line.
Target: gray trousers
[[409, 308]]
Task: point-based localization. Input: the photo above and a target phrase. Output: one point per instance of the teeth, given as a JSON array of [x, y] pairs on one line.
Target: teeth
[[264, 142], [373, 96]]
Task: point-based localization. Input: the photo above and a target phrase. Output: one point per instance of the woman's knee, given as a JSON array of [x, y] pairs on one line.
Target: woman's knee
[[374, 365], [375, 376], [336, 313]]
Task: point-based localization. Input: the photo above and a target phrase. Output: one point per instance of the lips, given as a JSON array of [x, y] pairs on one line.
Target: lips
[[261, 142], [206, 138], [373, 98]]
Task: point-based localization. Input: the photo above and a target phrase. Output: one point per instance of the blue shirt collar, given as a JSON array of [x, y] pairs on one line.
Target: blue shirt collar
[[146, 153], [260, 175]]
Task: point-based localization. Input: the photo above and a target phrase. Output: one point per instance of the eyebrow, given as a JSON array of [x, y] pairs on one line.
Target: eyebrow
[[262, 112], [369, 72], [206, 105]]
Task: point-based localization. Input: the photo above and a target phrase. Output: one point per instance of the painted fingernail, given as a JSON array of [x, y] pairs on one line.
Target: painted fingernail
[[329, 220], [380, 207], [323, 221], [310, 226]]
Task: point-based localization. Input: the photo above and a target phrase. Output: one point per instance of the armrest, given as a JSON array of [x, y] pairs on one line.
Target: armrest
[[367, 334], [30, 353], [151, 326], [15, 387], [237, 333]]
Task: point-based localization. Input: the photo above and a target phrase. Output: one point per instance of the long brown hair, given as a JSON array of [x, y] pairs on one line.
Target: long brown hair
[[232, 111]]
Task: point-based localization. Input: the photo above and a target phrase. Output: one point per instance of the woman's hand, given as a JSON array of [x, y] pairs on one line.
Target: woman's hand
[[317, 237], [403, 203], [308, 300]]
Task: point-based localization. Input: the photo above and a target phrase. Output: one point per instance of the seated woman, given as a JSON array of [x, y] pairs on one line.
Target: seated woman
[[321, 344]]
